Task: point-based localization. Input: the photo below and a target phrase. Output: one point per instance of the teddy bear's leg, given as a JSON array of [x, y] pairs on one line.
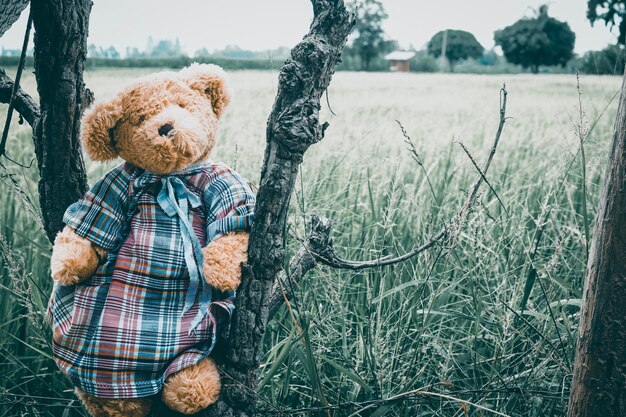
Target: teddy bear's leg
[[105, 407], [223, 258], [194, 388], [74, 258]]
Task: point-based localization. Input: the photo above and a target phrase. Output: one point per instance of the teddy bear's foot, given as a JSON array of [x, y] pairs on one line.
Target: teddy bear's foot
[[223, 258], [192, 389], [105, 407]]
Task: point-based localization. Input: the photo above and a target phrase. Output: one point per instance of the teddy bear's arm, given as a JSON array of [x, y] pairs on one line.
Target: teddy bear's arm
[[223, 258], [74, 258]]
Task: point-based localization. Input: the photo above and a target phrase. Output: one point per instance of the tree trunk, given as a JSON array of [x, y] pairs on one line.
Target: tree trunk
[[293, 126], [599, 381], [60, 50]]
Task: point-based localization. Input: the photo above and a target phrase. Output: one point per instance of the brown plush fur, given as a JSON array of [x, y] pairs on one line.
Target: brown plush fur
[[223, 258], [103, 407], [161, 123], [74, 258], [212, 83], [194, 388]]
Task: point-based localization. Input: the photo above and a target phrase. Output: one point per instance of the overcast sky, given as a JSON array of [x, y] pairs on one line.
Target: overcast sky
[[268, 24]]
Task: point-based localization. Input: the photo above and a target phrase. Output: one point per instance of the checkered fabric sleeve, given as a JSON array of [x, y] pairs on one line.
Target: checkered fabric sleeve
[[100, 216], [230, 202]]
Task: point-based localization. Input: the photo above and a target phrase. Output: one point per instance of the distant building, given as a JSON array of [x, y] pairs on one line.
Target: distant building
[[399, 60], [11, 52]]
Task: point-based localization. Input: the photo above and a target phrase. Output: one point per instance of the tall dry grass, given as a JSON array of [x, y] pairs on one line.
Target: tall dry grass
[[484, 326]]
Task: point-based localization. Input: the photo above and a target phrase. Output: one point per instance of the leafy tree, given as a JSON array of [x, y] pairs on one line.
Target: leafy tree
[[609, 61], [540, 40], [369, 42], [458, 45], [423, 62], [611, 12]]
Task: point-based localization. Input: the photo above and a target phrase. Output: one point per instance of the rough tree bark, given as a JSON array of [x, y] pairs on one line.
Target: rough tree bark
[[60, 50], [10, 11], [599, 382], [293, 126]]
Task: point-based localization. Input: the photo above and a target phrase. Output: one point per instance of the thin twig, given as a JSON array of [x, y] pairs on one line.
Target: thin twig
[[582, 134], [329, 257], [16, 86], [471, 158]]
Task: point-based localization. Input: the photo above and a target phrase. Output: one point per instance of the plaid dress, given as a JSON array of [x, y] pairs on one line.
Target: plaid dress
[[146, 312]]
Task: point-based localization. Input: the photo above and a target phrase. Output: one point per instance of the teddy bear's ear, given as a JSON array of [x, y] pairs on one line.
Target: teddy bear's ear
[[211, 80], [98, 130]]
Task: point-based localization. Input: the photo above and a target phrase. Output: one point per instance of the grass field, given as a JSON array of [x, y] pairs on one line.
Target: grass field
[[443, 334]]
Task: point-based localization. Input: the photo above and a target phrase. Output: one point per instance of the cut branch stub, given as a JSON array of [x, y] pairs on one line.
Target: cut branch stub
[[23, 103]]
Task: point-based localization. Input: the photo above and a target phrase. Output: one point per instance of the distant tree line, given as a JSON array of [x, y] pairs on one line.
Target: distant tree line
[[165, 62], [536, 43]]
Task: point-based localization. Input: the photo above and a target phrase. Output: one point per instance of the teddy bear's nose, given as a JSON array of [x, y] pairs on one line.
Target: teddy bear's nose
[[165, 129]]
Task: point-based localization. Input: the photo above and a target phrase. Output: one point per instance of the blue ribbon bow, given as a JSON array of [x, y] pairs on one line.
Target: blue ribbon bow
[[175, 199]]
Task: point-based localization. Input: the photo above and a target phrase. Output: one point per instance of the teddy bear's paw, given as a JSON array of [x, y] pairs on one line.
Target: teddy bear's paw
[[223, 258], [73, 258], [194, 388], [104, 407]]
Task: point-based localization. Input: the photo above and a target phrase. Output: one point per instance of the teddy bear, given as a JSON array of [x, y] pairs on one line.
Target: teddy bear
[[146, 267]]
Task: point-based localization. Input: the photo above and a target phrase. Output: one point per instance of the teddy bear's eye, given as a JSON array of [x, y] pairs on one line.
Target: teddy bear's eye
[[165, 129]]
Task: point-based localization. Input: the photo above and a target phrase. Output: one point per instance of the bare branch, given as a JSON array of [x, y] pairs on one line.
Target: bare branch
[[23, 103], [318, 244], [329, 257]]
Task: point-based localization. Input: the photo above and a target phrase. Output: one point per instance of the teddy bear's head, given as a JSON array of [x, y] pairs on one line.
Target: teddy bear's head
[[162, 122]]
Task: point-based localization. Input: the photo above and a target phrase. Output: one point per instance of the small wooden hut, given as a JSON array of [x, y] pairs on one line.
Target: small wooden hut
[[399, 60]]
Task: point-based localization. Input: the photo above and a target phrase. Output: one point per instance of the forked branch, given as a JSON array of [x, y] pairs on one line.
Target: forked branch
[[317, 246]]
